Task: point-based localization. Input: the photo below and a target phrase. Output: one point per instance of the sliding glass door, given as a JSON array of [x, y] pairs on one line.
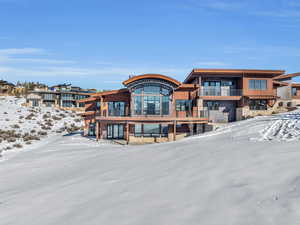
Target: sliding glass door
[[115, 131]]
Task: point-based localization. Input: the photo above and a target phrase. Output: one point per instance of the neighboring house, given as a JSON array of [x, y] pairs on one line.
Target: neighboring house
[[231, 94], [151, 108], [296, 93], [61, 96], [6, 88]]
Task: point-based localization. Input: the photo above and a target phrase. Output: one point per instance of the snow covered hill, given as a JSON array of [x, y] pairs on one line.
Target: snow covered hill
[[21, 127], [244, 173]]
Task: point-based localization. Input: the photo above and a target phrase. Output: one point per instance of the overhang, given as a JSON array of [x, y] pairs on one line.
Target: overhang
[[151, 76], [230, 72]]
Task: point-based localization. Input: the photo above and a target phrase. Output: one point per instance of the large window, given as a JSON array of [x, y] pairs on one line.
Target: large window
[[183, 105], [212, 105], [115, 131], [258, 104], [48, 97], [151, 100], [258, 84], [151, 130], [67, 104], [116, 108]]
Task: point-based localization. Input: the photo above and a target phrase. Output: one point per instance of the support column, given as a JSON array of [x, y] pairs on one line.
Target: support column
[[97, 131], [174, 130], [127, 133]]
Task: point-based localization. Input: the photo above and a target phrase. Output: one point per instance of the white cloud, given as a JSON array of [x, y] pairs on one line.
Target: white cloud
[[21, 51]]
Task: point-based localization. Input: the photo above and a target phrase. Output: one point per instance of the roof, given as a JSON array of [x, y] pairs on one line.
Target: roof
[[285, 76], [197, 72], [153, 76], [280, 83], [188, 86], [296, 85], [90, 99]]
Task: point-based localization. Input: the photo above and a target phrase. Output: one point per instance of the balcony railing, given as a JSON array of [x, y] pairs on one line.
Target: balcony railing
[[220, 91]]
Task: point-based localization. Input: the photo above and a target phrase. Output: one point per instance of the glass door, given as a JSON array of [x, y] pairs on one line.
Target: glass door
[[115, 131]]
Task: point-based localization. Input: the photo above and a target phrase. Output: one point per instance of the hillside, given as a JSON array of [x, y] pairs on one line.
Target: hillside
[[22, 127], [243, 173]]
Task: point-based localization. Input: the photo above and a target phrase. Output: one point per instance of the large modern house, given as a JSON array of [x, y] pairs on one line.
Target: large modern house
[[157, 108], [63, 96], [151, 108]]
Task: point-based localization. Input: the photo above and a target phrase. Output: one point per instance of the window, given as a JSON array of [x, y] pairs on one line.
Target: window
[[183, 105], [151, 130], [151, 105], [92, 129], [67, 97], [258, 84], [258, 104], [115, 131], [294, 92], [212, 105], [165, 105], [98, 105], [116, 108], [48, 97], [81, 104], [151, 100], [67, 104]]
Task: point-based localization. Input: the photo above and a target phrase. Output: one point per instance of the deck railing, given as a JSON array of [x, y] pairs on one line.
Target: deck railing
[[220, 91]]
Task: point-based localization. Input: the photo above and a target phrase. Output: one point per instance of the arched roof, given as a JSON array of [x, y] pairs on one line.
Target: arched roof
[[151, 76]]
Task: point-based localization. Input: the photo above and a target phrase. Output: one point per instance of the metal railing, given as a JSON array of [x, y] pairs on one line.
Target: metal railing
[[220, 91]]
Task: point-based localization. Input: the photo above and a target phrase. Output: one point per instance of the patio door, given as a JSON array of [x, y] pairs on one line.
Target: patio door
[[115, 131]]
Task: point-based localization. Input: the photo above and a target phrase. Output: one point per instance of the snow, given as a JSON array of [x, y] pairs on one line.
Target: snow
[[13, 113], [246, 172]]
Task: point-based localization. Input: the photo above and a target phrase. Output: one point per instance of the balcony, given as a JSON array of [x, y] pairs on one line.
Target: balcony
[[220, 91]]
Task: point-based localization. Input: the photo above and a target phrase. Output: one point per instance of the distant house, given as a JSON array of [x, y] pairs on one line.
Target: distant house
[[59, 96], [296, 93], [6, 88]]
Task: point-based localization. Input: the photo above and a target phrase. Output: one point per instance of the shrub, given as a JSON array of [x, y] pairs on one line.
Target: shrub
[[62, 115], [42, 133], [17, 146], [56, 118], [15, 126], [21, 117], [28, 143], [11, 139], [77, 120], [46, 116], [33, 131]]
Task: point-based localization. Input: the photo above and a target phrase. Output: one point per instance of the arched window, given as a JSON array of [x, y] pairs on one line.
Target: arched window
[[151, 99]]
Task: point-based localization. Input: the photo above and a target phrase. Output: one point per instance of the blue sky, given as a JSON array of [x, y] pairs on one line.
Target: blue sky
[[98, 44]]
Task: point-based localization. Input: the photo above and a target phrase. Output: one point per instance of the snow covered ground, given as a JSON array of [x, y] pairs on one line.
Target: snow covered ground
[[244, 173], [21, 127]]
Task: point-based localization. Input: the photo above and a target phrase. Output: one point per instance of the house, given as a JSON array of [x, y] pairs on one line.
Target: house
[[150, 108], [296, 93], [62, 96], [6, 88], [236, 94], [157, 108]]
